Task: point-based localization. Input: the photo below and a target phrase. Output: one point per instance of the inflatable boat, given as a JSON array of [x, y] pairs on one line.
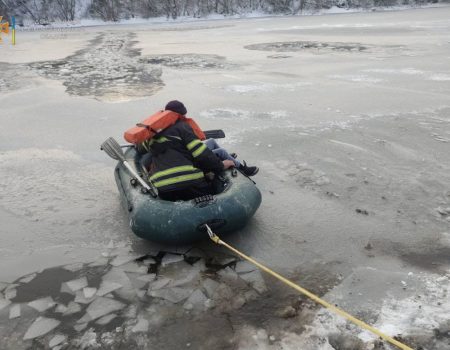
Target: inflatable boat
[[236, 200]]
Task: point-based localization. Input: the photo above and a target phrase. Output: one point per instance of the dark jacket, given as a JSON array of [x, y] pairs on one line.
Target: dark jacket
[[179, 158]]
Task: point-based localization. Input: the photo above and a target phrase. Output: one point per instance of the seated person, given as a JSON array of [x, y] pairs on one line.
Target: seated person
[[180, 159], [223, 154]]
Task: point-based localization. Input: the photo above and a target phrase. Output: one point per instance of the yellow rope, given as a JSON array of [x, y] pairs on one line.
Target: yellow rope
[[318, 300]]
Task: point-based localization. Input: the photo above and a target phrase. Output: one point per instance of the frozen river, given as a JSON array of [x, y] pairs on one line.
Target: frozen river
[[348, 118]]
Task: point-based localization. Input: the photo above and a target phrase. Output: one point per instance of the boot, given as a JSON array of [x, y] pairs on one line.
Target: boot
[[248, 170]]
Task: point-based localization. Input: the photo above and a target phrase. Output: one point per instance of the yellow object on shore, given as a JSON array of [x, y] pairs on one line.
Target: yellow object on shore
[[310, 295]]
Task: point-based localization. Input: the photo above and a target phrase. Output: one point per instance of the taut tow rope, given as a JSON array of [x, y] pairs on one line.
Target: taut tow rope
[[310, 295]]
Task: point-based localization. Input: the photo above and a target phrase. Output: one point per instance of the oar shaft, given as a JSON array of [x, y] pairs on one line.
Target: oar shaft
[[133, 172]]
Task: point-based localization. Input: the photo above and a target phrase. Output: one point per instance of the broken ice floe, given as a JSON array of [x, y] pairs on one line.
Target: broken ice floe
[[141, 326], [292, 46], [42, 304], [14, 311], [189, 61], [41, 326], [102, 306], [56, 340], [174, 295], [106, 319], [28, 278], [107, 69], [107, 287], [74, 285]]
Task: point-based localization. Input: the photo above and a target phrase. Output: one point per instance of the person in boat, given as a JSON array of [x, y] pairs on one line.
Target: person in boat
[[180, 159]]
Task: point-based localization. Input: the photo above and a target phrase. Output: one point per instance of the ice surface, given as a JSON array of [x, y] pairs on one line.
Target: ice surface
[[141, 326], [99, 262], [14, 311], [56, 340], [103, 306], [171, 258], [106, 319], [147, 278], [89, 292], [107, 287], [28, 278], [41, 326], [174, 295], [74, 285]]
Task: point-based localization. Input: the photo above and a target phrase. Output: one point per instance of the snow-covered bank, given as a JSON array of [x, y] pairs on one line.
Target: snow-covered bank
[[89, 22]]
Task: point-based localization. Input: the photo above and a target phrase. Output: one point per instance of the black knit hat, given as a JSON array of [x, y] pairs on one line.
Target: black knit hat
[[177, 107]]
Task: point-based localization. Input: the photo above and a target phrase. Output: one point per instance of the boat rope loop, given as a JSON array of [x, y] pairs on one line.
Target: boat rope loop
[[310, 295]]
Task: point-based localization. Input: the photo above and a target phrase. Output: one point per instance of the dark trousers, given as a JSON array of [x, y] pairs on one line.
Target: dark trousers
[[187, 193]]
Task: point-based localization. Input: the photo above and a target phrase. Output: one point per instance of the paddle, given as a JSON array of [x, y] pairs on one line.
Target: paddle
[[113, 149], [214, 134]]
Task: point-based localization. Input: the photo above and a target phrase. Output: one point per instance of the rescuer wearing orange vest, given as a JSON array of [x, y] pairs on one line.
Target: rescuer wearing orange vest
[[180, 159]]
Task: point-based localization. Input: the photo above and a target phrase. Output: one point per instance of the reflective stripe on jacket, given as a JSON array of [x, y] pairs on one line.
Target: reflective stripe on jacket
[[179, 158]]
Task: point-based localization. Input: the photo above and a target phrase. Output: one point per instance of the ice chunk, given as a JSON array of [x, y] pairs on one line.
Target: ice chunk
[[141, 326], [56, 340], [3, 285], [80, 327], [159, 283], [228, 274], [174, 295], [74, 285], [147, 278], [106, 319], [14, 311], [28, 278], [103, 306], [10, 293], [123, 259], [171, 258], [244, 267], [89, 340], [80, 298], [73, 267], [141, 293], [210, 286], [85, 319], [107, 287], [72, 308], [99, 262], [134, 268], [256, 280], [196, 300], [41, 326], [89, 292], [118, 276], [4, 303], [61, 308], [42, 304]]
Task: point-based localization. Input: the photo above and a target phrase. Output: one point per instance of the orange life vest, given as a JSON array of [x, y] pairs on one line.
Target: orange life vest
[[156, 123]]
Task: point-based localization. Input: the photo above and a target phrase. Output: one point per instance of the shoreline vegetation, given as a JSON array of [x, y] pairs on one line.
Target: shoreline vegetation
[[76, 13]]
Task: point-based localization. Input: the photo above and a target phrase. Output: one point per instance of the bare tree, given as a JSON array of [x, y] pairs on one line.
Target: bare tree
[[66, 9]]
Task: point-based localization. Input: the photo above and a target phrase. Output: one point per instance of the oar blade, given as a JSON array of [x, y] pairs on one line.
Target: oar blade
[[112, 149]]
